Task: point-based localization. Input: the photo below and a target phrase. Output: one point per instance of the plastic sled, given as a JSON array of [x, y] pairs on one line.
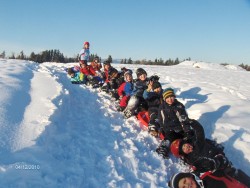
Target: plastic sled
[[143, 118]]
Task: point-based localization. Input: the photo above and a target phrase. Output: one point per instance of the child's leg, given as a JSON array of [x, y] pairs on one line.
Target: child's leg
[[131, 107]]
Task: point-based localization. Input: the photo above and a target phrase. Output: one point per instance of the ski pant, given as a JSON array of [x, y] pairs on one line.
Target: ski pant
[[239, 175], [124, 101], [153, 115]]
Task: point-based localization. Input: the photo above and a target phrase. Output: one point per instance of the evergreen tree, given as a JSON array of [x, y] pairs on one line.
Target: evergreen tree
[[12, 56], [130, 61], [110, 59], [2, 55]]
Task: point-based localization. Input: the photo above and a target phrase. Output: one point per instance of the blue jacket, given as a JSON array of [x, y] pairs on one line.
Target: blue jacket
[[84, 54], [78, 78], [128, 88], [139, 87]]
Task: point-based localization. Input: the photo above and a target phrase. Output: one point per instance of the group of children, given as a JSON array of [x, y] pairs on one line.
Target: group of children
[[183, 137]]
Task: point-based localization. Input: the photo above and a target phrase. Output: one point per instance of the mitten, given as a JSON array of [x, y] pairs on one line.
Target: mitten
[[205, 164], [163, 149], [221, 161]]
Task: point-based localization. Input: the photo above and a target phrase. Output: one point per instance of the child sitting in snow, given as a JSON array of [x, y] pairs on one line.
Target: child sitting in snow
[[125, 90], [96, 65], [173, 120], [115, 80], [136, 98], [153, 96], [76, 77], [88, 70]]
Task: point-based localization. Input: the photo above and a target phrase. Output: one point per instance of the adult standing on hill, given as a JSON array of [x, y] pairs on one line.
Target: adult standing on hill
[[84, 53]]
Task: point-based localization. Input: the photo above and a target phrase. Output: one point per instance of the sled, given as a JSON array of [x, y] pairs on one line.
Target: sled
[[144, 118]]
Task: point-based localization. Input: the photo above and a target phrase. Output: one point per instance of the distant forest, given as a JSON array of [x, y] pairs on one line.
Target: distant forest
[[57, 56]]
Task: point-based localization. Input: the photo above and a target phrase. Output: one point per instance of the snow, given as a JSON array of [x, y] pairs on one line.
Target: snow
[[57, 134]]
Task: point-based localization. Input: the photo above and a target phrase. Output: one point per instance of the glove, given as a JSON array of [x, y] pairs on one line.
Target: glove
[[205, 164], [221, 162], [163, 152]]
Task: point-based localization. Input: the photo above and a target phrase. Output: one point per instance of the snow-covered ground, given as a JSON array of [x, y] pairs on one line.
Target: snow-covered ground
[[56, 134]]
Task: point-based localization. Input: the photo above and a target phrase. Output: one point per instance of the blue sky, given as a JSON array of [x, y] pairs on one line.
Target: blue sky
[[215, 31]]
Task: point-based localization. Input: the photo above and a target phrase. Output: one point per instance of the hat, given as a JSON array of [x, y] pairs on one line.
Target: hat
[[86, 43], [140, 71], [106, 62], [70, 71], [156, 85], [174, 181], [169, 92]]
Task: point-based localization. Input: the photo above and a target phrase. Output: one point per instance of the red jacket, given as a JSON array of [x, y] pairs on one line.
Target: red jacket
[[211, 180], [88, 70]]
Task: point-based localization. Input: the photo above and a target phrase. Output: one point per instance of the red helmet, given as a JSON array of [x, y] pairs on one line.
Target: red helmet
[[86, 43], [175, 148]]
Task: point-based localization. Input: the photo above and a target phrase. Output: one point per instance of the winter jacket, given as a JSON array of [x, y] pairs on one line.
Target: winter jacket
[[96, 66], [88, 70], [78, 78], [84, 54], [106, 74], [205, 156], [173, 117], [125, 91], [220, 180], [196, 136], [153, 99], [139, 87], [116, 82]]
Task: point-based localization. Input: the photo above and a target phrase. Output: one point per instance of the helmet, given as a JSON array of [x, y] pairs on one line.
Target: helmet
[[96, 58], [86, 43], [140, 71], [106, 62], [128, 72], [174, 181], [175, 147]]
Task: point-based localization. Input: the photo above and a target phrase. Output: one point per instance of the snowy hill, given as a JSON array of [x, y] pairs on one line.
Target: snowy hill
[[56, 134]]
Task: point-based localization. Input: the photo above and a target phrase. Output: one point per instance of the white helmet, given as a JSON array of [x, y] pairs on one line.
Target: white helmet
[[173, 183]]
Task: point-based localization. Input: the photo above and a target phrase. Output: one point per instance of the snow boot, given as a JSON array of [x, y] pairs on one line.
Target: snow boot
[[152, 130]]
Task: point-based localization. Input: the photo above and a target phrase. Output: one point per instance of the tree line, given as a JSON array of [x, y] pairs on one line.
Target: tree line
[[45, 56], [159, 61], [56, 56]]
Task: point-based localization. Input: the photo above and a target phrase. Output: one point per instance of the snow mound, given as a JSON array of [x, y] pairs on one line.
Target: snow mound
[[234, 67], [203, 65]]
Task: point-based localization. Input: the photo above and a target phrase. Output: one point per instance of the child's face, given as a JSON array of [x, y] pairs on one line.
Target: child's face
[[86, 46], [143, 77], [72, 75], [187, 148], [188, 182], [170, 100], [107, 66], [83, 65], [157, 90], [128, 78]]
